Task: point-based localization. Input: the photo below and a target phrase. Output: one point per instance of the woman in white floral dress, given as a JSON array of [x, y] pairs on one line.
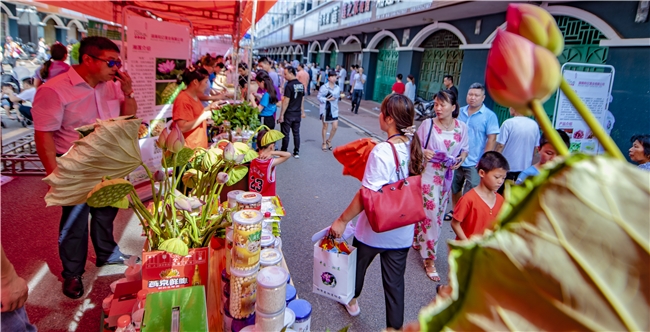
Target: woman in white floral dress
[[445, 144]]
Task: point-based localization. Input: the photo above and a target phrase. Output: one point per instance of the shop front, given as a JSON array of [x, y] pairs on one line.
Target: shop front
[[441, 57], [387, 59]]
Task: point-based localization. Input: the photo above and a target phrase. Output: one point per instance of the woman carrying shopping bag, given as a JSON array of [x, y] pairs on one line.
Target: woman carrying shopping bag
[[329, 95], [396, 119]]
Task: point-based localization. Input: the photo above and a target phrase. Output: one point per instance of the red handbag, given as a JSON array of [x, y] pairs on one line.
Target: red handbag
[[396, 204]]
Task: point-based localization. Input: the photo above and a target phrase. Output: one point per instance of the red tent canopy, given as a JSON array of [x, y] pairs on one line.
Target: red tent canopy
[[208, 17]]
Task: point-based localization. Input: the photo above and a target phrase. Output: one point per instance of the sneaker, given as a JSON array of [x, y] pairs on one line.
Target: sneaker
[[353, 310], [297, 156]]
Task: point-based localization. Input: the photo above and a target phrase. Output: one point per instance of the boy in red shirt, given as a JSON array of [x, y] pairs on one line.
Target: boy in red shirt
[[478, 208], [261, 175], [399, 87]]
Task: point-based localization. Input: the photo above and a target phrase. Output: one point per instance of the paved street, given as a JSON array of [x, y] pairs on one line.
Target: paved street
[[314, 193]]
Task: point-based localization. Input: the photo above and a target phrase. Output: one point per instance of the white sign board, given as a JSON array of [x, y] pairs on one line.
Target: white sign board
[[594, 89], [157, 53]]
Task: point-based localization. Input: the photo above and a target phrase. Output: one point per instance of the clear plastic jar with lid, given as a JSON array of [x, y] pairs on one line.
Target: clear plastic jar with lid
[[271, 289], [270, 257], [229, 245], [249, 201], [267, 238], [243, 292], [232, 198], [247, 232], [269, 322]]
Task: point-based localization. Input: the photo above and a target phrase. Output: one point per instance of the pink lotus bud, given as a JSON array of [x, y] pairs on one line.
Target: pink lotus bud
[[195, 203], [239, 158], [222, 177], [519, 71], [159, 175], [535, 24], [229, 152], [161, 142], [175, 140]]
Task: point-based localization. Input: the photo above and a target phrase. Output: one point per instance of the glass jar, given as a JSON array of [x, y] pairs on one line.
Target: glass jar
[[302, 309], [229, 246], [249, 201], [247, 231], [232, 198], [243, 292], [270, 257], [271, 289], [269, 322], [267, 238]]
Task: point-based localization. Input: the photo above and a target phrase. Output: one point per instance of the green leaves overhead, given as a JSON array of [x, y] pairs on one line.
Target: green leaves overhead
[[570, 252], [110, 150]]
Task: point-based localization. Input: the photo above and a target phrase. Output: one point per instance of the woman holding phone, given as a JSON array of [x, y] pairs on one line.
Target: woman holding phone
[[329, 95], [445, 144]]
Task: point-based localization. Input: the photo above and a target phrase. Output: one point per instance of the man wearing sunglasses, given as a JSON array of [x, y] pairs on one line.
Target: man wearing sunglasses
[[94, 89]]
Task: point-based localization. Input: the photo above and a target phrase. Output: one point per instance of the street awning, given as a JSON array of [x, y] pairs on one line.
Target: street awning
[[208, 18]]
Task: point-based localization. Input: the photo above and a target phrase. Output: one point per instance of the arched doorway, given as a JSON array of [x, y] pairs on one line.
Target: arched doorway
[[581, 45], [50, 32], [441, 57], [73, 33], [386, 68]]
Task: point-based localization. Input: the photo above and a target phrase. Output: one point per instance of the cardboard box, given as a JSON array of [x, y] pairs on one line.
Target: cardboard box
[[124, 299], [163, 271]]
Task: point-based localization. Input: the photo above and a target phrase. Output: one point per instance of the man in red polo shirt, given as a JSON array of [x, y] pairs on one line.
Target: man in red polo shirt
[[399, 87]]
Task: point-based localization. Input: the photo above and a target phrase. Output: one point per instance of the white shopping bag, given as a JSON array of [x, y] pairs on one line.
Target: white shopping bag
[[334, 274]]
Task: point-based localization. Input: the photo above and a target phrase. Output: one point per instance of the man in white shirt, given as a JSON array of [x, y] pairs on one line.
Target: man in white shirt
[[341, 73], [517, 140], [95, 88], [357, 89]]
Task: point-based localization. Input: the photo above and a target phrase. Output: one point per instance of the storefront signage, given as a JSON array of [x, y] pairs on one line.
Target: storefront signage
[[329, 17], [392, 8], [356, 12]]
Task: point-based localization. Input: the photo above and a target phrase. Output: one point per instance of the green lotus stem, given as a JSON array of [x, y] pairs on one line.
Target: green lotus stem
[[595, 126], [153, 189], [547, 128]]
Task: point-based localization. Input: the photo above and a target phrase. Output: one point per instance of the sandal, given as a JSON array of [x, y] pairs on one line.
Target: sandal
[[449, 216], [354, 309], [430, 270], [324, 147], [329, 145]]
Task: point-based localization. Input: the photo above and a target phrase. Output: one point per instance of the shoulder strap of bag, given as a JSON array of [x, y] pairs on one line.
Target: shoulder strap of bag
[[398, 169], [426, 145]]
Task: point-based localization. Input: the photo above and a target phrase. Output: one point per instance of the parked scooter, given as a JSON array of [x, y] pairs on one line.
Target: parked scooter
[[423, 109]]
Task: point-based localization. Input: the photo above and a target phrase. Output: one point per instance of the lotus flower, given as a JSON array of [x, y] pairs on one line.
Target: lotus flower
[[536, 25], [161, 142], [222, 177], [195, 203], [229, 152], [159, 175], [175, 141], [519, 71], [182, 203], [166, 67]]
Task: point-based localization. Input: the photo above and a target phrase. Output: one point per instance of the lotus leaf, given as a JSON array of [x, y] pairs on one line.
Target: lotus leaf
[[183, 158], [212, 158], [111, 150], [250, 155], [109, 192], [271, 136], [174, 246], [236, 174], [571, 251]]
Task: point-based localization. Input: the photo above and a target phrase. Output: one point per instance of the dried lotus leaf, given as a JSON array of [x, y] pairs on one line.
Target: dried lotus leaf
[[111, 150]]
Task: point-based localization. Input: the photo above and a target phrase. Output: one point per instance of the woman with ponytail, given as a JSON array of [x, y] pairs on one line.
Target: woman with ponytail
[[396, 119], [52, 67], [188, 112], [445, 144]]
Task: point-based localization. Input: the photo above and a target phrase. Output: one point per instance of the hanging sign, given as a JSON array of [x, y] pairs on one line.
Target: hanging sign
[[158, 52], [594, 88]]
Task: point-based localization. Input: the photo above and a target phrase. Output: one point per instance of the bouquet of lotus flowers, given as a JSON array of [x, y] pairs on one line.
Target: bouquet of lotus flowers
[[173, 221], [571, 248]]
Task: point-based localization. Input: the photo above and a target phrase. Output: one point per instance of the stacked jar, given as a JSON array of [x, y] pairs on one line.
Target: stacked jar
[[232, 198], [270, 257], [249, 201], [245, 257], [271, 298]]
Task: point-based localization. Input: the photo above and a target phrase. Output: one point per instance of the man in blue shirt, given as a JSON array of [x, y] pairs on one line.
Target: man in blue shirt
[[483, 127]]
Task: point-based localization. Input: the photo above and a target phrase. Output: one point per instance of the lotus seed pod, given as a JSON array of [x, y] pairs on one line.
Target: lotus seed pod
[[108, 192]]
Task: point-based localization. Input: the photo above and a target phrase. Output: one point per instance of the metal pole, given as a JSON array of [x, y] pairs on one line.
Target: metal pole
[[253, 28], [235, 45]]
